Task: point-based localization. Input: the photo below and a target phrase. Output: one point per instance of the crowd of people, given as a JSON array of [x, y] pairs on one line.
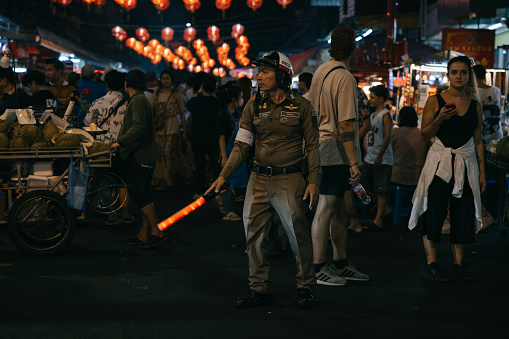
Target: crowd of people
[[277, 147]]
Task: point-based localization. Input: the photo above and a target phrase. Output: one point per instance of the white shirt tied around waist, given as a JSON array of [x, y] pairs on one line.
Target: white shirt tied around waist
[[438, 162]]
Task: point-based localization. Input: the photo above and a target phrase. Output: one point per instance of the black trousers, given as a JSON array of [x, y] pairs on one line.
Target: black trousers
[[462, 212], [200, 152]]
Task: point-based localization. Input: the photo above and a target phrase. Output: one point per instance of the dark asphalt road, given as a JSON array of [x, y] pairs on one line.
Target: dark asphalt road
[[99, 288]]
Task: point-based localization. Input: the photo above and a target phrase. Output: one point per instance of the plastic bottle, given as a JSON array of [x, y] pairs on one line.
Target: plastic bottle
[[361, 193]]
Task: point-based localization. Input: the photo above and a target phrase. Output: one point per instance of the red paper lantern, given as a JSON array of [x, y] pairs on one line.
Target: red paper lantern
[[161, 5], [64, 2], [88, 2], [142, 34], [284, 3], [129, 4], [189, 34], [237, 30], [130, 42], [254, 4], [167, 34], [153, 43], [100, 3], [192, 5], [223, 4], [115, 31], [122, 36], [213, 33]]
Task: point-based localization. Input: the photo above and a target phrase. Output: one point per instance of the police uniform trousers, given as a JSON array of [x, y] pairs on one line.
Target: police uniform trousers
[[281, 194]]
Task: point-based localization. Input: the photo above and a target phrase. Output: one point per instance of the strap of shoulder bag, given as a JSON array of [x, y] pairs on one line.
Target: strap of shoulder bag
[[112, 112]]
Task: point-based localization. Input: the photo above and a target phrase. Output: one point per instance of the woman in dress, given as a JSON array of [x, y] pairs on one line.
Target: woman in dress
[[453, 173], [167, 108]]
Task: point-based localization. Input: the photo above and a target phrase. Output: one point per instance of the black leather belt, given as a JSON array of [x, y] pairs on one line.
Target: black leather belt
[[271, 170]]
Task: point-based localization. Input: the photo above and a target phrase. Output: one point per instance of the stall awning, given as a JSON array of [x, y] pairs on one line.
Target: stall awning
[[300, 60]]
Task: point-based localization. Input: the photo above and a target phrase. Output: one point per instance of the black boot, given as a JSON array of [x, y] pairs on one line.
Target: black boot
[[254, 299], [305, 297]]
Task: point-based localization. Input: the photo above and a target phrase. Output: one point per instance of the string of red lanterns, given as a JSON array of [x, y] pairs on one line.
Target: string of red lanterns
[[241, 51]]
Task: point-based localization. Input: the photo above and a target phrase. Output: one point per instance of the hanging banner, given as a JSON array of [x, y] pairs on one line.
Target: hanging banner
[[476, 43]]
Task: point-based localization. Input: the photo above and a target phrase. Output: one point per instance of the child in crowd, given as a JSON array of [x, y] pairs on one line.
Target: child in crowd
[[377, 168]]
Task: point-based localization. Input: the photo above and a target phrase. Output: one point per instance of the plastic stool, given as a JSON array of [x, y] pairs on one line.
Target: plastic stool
[[397, 208]]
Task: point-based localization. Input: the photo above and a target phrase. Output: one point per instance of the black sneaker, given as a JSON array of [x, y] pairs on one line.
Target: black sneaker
[[305, 297], [433, 272], [460, 273], [254, 299]]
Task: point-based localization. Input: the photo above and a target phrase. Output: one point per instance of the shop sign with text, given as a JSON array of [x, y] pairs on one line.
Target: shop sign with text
[[476, 43]]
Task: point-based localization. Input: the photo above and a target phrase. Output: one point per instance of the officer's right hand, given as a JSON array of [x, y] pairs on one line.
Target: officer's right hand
[[216, 185]]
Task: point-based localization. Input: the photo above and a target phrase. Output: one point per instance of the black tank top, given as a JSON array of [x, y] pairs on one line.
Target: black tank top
[[456, 131]]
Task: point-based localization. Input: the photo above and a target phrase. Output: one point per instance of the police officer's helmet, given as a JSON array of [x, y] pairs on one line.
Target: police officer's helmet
[[282, 65]]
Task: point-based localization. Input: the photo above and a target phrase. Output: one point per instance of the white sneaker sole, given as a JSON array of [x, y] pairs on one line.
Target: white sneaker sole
[[320, 282], [356, 279]]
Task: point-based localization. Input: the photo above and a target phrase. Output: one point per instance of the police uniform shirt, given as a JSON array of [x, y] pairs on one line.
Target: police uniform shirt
[[277, 132]]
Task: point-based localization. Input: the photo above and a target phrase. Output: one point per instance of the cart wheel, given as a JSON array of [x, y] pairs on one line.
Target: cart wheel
[[103, 193], [39, 222]]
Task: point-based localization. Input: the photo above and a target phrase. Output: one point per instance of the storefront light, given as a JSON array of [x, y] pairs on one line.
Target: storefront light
[[359, 38], [495, 26], [432, 78], [63, 58], [368, 32], [75, 60], [20, 70]]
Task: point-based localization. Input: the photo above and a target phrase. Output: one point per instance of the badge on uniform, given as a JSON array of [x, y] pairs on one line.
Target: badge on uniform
[[291, 107], [314, 113], [284, 119]]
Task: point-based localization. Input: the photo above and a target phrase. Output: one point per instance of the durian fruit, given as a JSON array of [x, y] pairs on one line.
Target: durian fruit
[[4, 141], [49, 130], [19, 142], [41, 144], [98, 147], [4, 126], [57, 136], [68, 140], [16, 130], [29, 133]]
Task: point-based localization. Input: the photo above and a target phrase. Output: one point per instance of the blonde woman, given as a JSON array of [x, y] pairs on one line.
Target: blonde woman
[[453, 173]]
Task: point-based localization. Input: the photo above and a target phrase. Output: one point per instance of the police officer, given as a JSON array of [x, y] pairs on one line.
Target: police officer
[[276, 123]]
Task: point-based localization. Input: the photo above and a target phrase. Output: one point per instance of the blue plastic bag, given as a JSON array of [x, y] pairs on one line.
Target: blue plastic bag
[[77, 185]]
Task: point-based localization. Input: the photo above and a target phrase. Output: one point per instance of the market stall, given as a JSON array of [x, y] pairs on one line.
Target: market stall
[[413, 84]]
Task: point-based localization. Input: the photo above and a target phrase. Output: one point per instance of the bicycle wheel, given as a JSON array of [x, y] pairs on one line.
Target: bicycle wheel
[[103, 193], [40, 222]]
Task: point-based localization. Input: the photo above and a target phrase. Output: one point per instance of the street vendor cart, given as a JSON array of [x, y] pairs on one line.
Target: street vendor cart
[[35, 207]]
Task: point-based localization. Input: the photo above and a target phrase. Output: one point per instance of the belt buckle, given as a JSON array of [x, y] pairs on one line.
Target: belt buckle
[[268, 171]]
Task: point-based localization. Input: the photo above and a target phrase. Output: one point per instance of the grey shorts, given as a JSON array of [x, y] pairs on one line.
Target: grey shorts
[[376, 178], [335, 180]]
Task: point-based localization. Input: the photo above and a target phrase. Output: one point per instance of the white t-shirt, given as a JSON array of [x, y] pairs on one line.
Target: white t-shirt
[[375, 138], [337, 103], [491, 106]]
